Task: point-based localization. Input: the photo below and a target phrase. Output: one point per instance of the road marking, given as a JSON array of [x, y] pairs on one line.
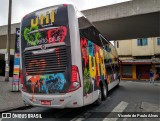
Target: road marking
[[81, 116], [0, 119], [119, 108]]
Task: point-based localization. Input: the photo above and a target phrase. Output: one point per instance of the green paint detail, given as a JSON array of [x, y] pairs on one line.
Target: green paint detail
[[44, 76], [87, 80], [32, 38]]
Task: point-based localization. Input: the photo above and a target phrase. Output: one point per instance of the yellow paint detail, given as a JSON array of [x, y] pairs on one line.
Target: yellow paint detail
[[41, 19], [92, 68], [97, 62], [52, 16], [47, 17], [103, 65], [34, 22]]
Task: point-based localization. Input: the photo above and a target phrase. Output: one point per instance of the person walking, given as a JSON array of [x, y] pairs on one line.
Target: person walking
[[151, 76]]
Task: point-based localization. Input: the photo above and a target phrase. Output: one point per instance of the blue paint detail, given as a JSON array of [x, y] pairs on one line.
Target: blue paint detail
[[53, 82], [91, 48], [17, 61]]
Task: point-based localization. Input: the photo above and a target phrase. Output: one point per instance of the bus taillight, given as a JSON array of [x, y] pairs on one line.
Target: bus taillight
[[65, 4], [22, 82], [75, 81]]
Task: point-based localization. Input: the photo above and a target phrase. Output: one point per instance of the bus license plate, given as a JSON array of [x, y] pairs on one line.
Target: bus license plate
[[46, 102]]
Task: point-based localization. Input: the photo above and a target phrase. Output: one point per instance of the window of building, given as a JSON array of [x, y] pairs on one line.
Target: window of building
[[158, 41], [142, 42]]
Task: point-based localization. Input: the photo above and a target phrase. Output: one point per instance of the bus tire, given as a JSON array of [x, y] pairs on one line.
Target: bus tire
[[118, 82], [99, 100], [104, 91]]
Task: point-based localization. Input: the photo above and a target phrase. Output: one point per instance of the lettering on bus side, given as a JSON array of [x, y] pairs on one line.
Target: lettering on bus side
[[49, 18], [93, 65]]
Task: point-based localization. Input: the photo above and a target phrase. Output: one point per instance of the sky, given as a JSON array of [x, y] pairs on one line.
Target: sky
[[22, 7]]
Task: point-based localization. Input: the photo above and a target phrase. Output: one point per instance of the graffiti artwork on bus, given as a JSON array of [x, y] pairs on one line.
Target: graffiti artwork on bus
[[43, 19], [93, 64], [37, 63], [52, 82], [85, 63], [48, 83], [57, 34], [32, 39], [35, 83], [35, 36], [84, 49]]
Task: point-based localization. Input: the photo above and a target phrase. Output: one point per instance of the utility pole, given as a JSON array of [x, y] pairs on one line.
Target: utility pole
[[7, 55]]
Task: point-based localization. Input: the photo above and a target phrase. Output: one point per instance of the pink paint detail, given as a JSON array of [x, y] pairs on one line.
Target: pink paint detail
[[84, 49], [16, 76], [57, 35]]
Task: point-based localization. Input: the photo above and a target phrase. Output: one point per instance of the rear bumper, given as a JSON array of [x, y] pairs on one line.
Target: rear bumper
[[71, 100]]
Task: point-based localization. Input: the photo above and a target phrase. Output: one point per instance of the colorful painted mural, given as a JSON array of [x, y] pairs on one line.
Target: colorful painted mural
[[93, 64], [47, 83], [44, 69], [93, 61], [16, 71], [35, 36]]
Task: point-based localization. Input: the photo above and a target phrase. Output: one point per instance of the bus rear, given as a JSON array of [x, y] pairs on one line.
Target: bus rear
[[49, 75]]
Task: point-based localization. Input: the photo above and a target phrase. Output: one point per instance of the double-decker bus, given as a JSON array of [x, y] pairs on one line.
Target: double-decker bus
[[65, 60]]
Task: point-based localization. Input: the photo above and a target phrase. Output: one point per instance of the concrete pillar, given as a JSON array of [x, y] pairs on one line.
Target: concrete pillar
[[134, 76]]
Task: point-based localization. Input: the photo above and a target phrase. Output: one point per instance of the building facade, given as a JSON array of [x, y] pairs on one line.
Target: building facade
[[138, 56], [3, 40]]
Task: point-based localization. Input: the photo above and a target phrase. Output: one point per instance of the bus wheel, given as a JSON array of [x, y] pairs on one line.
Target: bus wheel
[[104, 91], [118, 82], [99, 100]]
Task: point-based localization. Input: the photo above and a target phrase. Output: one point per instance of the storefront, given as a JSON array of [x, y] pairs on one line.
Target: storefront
[[136, 69]]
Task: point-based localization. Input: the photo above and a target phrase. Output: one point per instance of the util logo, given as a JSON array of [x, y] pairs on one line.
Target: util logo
[[49, 18]]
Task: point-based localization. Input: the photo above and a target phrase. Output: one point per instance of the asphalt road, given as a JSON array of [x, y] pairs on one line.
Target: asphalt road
[[130, 97]]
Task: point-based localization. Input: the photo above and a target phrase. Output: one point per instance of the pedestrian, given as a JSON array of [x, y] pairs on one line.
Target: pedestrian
[[151, 76], [139, 74]]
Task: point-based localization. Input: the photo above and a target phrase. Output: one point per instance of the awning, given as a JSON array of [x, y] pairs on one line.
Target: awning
[[137, 62]]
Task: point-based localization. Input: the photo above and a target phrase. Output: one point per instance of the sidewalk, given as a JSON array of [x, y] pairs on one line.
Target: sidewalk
[[9, 100]]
